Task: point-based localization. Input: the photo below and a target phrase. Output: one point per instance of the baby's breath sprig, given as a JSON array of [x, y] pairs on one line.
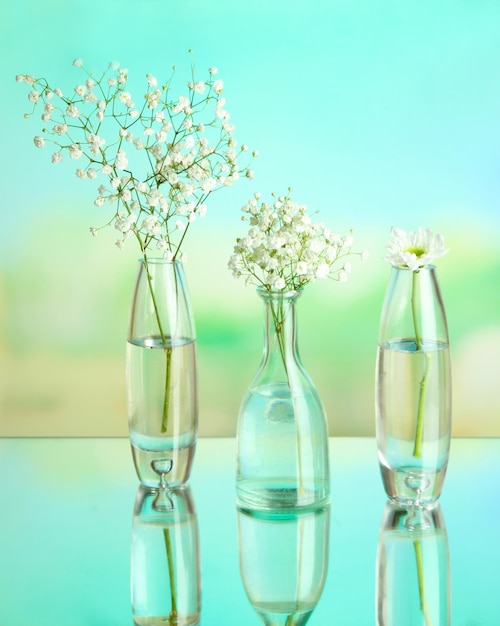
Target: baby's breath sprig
[[161, 157], [284, 250]]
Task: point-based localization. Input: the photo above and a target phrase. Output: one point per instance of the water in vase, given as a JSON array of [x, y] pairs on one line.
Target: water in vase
[[162, 407], [413, 418], [283, 458]]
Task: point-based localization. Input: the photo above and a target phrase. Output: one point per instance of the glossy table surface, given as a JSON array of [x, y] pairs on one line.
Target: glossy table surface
[[66, 522]]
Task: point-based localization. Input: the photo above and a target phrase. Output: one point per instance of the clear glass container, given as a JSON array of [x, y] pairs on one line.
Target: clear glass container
[[413, 388], [284, 563], [413, 568], [165, 562], [161, 375], [282, 433]]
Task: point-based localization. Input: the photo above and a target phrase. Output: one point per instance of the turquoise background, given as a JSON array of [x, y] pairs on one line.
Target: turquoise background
[[376, 112]]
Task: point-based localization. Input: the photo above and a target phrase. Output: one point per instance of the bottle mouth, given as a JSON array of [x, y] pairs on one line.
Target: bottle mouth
[[428, 267], [279, 294], [157, 260]]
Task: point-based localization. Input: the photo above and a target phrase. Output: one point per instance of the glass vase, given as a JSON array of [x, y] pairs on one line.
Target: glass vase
[[284, 563], [282, 435], [413, 388], [161, 375], [413, 568], [165, 582]]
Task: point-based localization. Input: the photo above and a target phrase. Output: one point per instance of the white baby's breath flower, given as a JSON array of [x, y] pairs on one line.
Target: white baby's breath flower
[[75, 152], [284, 249], [72, 111], [183, 152], [414, 249], [121, 160]]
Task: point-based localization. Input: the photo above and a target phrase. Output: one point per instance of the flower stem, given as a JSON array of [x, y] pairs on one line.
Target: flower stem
[[279, 327], [172, 618], [419, 432], [417, 545], [168, 370], [168, 349]]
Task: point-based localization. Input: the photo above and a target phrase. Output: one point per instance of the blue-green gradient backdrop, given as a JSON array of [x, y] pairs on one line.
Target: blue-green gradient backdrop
[[376, 112]]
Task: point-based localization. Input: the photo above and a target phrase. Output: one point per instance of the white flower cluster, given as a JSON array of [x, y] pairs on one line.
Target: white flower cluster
[[414, 249], [285, 250], [160, 158]]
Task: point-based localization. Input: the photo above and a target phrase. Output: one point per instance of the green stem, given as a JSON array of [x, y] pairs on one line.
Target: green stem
[[153, 298], [417, 545], [166, 397], [171, 574], [166, 347], [279, 326], [419, 431]]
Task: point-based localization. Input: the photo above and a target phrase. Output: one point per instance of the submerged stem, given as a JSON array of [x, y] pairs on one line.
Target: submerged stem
[[279, 327], [419, 431], [166, 397]]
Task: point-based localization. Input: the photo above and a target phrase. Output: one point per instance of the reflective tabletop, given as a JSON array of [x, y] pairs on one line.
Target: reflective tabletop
[[75, 544]]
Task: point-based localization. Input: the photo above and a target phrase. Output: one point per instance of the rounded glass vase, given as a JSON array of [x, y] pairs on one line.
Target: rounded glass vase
[[413, 388], [282, 434], [161, 375]]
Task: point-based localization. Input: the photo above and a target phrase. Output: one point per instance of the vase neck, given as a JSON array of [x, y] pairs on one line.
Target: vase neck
[[413, 307], [161, 308], [280, 330]]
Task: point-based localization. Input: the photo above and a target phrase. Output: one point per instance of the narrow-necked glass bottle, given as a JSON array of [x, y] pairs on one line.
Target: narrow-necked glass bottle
[[282, 436]]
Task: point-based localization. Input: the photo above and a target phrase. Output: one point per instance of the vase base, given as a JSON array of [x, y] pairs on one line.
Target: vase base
[[281, 497], [409, 486], [149, 463]]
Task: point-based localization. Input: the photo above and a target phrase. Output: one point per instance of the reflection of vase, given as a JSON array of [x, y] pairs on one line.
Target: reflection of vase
[[283, 563], [165, 562], [413, 388], [282, 455], [413, 569], [162, 375]]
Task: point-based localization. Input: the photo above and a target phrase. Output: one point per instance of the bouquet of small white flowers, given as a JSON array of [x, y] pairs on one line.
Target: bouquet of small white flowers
[[161, 157], [285, 250]]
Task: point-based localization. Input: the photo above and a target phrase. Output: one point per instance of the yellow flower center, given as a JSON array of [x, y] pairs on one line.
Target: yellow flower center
[[418, 252]]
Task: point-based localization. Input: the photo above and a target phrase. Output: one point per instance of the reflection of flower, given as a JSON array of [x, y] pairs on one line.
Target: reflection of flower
[[285, 250], [413, 251]]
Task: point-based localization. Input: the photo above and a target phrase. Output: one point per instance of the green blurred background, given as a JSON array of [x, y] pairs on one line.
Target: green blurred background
[[376, 112]]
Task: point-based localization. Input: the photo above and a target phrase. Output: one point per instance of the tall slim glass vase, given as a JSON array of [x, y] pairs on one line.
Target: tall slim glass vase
[[162, 393], [413, 388]]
